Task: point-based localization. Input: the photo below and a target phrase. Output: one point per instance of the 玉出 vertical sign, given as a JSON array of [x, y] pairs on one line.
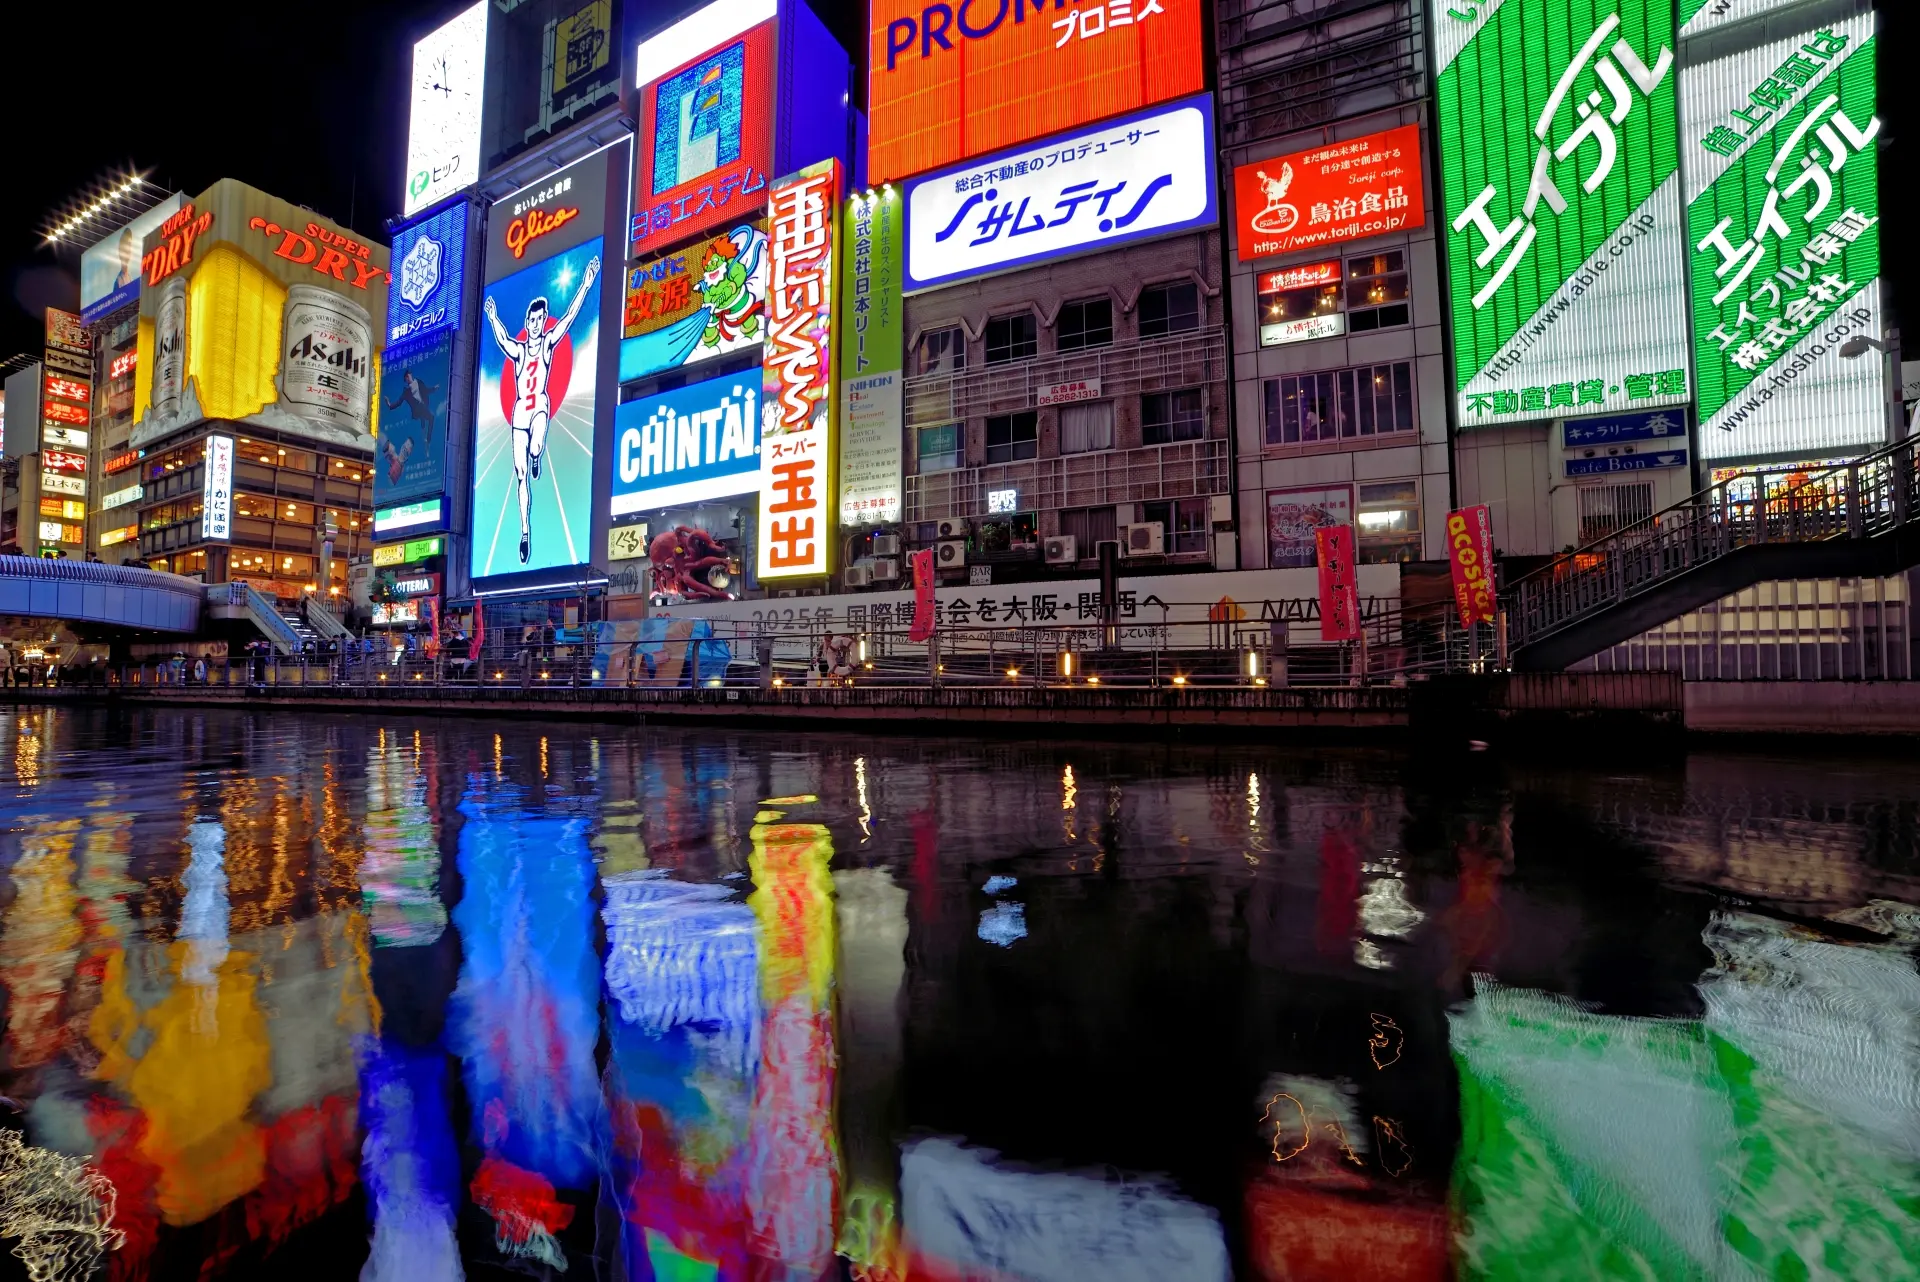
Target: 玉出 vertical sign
[[216, 490], [1339, 583], [1560, 195], [796, 434], [1783, 213], [1470, 556], [870, 359]]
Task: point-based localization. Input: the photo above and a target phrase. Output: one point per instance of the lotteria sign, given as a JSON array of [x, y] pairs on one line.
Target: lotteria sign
[[1783, 224], [1560, 192], [688, 445]]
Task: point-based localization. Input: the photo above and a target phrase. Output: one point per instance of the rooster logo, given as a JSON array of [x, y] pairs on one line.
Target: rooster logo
[[1278, 216]]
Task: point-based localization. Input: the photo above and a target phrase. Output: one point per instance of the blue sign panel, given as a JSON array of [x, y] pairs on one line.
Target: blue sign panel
[[415, 389], [1625, 463], [688, 445], [1615, 429], [1131, 178], [429, 262]]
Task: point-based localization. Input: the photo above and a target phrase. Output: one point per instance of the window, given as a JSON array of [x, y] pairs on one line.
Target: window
[[1087, 425], [1184, 521], [1166, 417], [1340, 404], [1089, 527], [1169, 309], [1012, 338], [1298, 303], [1607, 509], [1013, 436], [943, 351], [1389, 522], [1377, 291], [1085, 324], [944, 448]]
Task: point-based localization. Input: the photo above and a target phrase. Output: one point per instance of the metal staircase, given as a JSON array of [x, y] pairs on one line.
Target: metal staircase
[[1856, 518]]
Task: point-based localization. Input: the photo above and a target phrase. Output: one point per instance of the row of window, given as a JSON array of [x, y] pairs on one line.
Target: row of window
[[1165, 417], [1163, 310], [1322, 300]]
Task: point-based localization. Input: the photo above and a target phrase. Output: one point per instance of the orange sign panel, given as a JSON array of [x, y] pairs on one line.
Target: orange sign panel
[[949, 79], [1342, 191]]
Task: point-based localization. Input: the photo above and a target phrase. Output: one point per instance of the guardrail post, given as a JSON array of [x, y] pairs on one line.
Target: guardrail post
[[1856, 516]]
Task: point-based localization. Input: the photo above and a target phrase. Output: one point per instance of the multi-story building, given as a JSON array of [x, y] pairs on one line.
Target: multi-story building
[[1340, 389]]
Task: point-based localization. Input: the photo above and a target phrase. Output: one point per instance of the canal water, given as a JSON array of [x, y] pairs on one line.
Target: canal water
[[403, 999]]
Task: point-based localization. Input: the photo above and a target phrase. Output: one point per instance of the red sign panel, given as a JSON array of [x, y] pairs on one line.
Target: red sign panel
[[61, 412], [1470, 554], [69, 389], [61, 461], [1343, 191], [1339, 583], [946, 81], [705, 141]]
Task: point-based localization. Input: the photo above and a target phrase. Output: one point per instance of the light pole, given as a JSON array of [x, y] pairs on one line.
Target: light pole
[[1859, 345]]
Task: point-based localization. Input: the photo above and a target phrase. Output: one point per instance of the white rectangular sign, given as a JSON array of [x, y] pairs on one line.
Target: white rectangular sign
[[60, 483], [64, 438], [1081, 389], [443, 129], [1331, 325], [216, 492], [120, 498], [871, 454], [1137, 176]]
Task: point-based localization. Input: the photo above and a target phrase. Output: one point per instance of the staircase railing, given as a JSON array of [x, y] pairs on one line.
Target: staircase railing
[[259, 611], [1859, 499], [325, 623]]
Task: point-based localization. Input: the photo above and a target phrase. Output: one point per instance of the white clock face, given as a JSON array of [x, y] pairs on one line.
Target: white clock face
[[443, 130]]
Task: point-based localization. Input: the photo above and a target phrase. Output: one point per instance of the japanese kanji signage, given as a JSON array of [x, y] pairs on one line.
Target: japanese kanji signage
[[870, 359], [1697, 16], [948, 81], [796, 422], [1339, 585], [704, 300], [1132, 178], [705, 141], [1560, 194], [1343, 191], [1783, 224]]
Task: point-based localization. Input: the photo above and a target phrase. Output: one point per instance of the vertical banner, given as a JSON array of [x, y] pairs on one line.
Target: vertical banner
[[872, 414], [1560, 191], [216, 490], [796, 435], [1470, 556], [1339, 584], [923, 610], [1783, 212]]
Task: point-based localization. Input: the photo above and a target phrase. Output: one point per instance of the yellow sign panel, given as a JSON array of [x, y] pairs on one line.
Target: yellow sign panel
[[581, 42], [391, 554]]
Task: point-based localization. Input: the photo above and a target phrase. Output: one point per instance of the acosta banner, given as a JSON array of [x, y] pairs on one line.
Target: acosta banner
[[1344, 191], [688, 445], [1470, 555], [1140, 176], [958, 78]]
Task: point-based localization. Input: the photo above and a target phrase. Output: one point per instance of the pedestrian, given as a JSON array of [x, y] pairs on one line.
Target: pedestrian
[[546, 641]]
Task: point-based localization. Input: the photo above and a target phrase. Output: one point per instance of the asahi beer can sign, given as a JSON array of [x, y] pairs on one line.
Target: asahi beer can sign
[[170, 344], [326, 362]]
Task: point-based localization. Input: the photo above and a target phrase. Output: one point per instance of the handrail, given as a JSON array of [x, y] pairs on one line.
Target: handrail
[[259, 610], [1861, 498], [37, 567], [322, 620]]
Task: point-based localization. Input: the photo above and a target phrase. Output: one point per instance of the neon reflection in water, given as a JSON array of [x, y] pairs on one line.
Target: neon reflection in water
[[525, 1016]]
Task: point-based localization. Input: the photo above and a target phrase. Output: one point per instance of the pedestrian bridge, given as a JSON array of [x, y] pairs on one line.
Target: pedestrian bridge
[[106, 595]]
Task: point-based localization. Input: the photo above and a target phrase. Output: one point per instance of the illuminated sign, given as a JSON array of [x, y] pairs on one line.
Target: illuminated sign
[[796, 445], [406, 516], [66, 509], [1129, 179], [416, 389], [121, 462], [390, 554], [60, 412], [443, 124], [948, 81], [1697, 16], [429, 266], [582, 43], [1303, 277], [871, 334], [66, 331], [687, 445], [1300, 329], [50, 531], [110, 270], [324, 250], [696, 303], [1343, 191], [705, 125], [71, 390], [216, 492], [122, 497], [61, 437], [124, 364], [1660, 425], [421, 549], [1560, 197], [108, 538], [387, 613], [178, 235], [627, 542], [545, 218], [1783, 229], [1000, 501], [58, 483], [60, 461], [417, 585], [1608, 464]]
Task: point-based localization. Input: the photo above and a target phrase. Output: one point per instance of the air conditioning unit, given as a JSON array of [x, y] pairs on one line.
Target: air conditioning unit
[[886, 568], [886, 545], [1062, 549], [952, 527], [1148, 538], [1220, 511], [859, 576], [950, 554]]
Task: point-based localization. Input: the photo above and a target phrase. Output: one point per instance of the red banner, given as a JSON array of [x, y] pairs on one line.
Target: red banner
[[1339, 584], [922, 563], [1341, 191], [1470, 554]]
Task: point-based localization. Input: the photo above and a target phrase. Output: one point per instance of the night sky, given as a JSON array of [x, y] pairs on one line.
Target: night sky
[[308, 102]]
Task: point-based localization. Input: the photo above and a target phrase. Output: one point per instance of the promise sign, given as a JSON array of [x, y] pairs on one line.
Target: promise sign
[[1560, 193]]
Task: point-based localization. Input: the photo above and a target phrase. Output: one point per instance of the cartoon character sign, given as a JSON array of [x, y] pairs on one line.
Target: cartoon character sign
[[696, 303]]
